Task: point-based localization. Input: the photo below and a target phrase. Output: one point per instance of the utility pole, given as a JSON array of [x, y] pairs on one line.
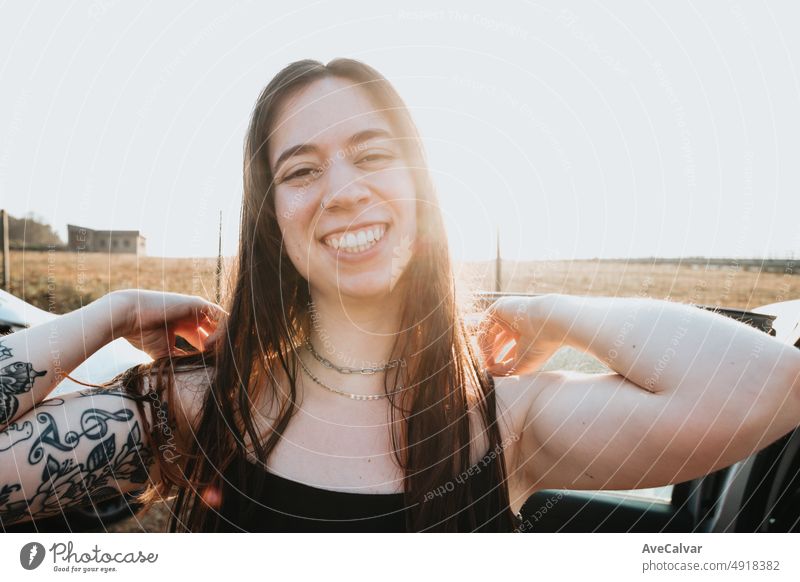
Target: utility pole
[[219, 262]]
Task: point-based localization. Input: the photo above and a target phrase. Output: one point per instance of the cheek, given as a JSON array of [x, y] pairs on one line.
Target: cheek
[[295, 219], [401, 194], [293, 205], [407, 210]]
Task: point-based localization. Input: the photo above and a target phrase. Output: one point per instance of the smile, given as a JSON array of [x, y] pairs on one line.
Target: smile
[[358, 241]]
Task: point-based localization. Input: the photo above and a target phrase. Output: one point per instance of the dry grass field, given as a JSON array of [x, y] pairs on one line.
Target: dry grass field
[[725, 285], [60, 282]]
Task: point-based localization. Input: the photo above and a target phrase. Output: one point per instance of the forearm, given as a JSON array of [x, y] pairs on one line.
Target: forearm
[[35, 360], [663, 346]]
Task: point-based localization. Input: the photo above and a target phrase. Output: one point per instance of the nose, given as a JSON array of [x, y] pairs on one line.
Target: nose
[[344, 188]]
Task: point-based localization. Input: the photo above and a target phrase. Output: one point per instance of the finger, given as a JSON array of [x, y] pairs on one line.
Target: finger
[[501, 319], [194, 334], [506, 350], [207, 318], [199, 311], [212, 339], [506, 368], [212, 320], [174, 352], [499, 310], [213, 310], [487, 340], [504, 347], [199, 325], [195, 314], [496, 339]]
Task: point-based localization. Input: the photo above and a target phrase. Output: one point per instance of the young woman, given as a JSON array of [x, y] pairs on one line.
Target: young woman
[[341, 389]]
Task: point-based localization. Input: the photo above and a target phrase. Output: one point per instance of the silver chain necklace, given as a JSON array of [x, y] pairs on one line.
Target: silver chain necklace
[[345, 370], [350, 395]]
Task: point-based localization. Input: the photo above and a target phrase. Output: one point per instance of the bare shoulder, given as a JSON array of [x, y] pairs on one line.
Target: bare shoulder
[[516, 394], [191, 387], [515, 397]]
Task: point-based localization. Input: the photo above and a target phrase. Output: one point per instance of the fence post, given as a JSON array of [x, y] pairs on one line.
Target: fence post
[[6, 254]]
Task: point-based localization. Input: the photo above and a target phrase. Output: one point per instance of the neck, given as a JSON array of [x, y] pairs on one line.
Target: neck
[[355, 334], [352, 334]]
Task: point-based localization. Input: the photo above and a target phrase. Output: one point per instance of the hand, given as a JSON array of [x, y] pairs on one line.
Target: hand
[[516, 337], [150, 320]]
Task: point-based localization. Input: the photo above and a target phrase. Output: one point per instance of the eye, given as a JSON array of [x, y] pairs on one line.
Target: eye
[[374, 157], [302, 173]]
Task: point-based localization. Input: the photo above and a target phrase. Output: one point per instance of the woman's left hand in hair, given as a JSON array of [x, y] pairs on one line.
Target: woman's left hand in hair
[[516, 336]]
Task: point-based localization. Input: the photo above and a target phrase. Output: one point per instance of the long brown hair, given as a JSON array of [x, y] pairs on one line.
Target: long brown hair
[[431, 440]]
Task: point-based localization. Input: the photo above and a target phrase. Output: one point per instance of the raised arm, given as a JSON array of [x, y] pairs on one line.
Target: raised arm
[[87, 446], [35, 360], [692, 391]]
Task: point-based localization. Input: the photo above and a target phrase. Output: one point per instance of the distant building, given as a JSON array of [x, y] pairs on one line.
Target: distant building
[[88, 240]]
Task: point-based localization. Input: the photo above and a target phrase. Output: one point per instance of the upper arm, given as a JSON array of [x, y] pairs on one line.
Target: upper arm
[[72, 450], [87, 446], [602, 431]]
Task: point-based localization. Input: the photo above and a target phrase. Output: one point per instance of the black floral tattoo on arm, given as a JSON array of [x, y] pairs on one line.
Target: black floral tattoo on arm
[[5, 352], [15, 434], [67, 482], [15, 379]]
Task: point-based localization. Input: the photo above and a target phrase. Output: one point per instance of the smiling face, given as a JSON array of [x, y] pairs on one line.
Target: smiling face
[[330, 146]]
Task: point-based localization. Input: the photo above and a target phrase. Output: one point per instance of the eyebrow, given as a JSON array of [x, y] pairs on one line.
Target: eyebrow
[[355, 139]]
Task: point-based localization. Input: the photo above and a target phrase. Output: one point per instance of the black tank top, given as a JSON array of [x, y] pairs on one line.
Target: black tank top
[[283, 505], [279, 504]]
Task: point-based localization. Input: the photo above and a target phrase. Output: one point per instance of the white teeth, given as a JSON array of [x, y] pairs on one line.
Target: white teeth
[[357, 242]]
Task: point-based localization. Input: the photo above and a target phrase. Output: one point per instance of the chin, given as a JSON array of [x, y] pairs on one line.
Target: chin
[[366, 285]]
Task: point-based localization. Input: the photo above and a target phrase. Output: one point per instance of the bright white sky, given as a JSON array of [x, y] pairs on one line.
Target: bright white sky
[[614, 130]]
